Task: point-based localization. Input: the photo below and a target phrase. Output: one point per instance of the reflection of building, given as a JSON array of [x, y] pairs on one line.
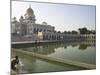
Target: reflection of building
[[27, 30], [50, 48]]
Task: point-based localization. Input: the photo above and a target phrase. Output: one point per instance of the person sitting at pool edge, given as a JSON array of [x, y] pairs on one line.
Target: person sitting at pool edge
[[14, 62]]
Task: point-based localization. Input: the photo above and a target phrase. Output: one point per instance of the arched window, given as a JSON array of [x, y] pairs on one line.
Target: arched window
[[44, 30], [34, 30], [40, 30], [46, 37], [43, 37], [49, 37], [37, 30]]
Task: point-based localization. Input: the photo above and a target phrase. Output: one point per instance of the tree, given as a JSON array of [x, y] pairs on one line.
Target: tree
[[69, 32], [65, 32], [83, 30], [86, 31], [74, 32], [94, 32], [59, 32]]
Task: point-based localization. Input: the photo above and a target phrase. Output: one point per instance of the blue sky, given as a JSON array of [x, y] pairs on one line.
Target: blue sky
[[64, 17]]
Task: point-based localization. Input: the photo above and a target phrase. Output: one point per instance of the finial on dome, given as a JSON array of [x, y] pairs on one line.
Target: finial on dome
[[30, 6]]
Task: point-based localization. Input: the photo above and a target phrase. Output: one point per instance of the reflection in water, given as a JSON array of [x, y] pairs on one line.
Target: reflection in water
[[50, 48], [82, 52], [26, 63], [65, 47], [78, 51], [74, 45], [32, 65], [83, 46]]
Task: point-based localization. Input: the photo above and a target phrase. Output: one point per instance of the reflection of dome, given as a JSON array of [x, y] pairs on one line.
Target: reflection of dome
[[29, 11]]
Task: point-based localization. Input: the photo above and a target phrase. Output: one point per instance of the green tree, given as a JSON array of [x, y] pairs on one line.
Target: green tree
[[65, 32], [59, 31], [83, 30], [69, 32], [74, 32]]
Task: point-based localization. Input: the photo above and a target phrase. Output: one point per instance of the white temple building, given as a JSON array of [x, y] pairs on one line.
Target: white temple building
[[26, 29]]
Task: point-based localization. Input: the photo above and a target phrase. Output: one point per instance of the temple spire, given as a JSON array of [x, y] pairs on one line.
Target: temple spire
[[30, 6]]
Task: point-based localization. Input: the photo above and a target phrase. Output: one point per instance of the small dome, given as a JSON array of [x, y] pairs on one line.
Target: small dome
[[44, 23], [30, 11], [14, 19], [21, 17]]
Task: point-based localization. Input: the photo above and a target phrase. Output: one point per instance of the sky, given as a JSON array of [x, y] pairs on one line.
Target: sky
[[64, 17]]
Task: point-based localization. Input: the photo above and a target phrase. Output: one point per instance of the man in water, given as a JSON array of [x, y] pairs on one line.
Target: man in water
[[14, 62]]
